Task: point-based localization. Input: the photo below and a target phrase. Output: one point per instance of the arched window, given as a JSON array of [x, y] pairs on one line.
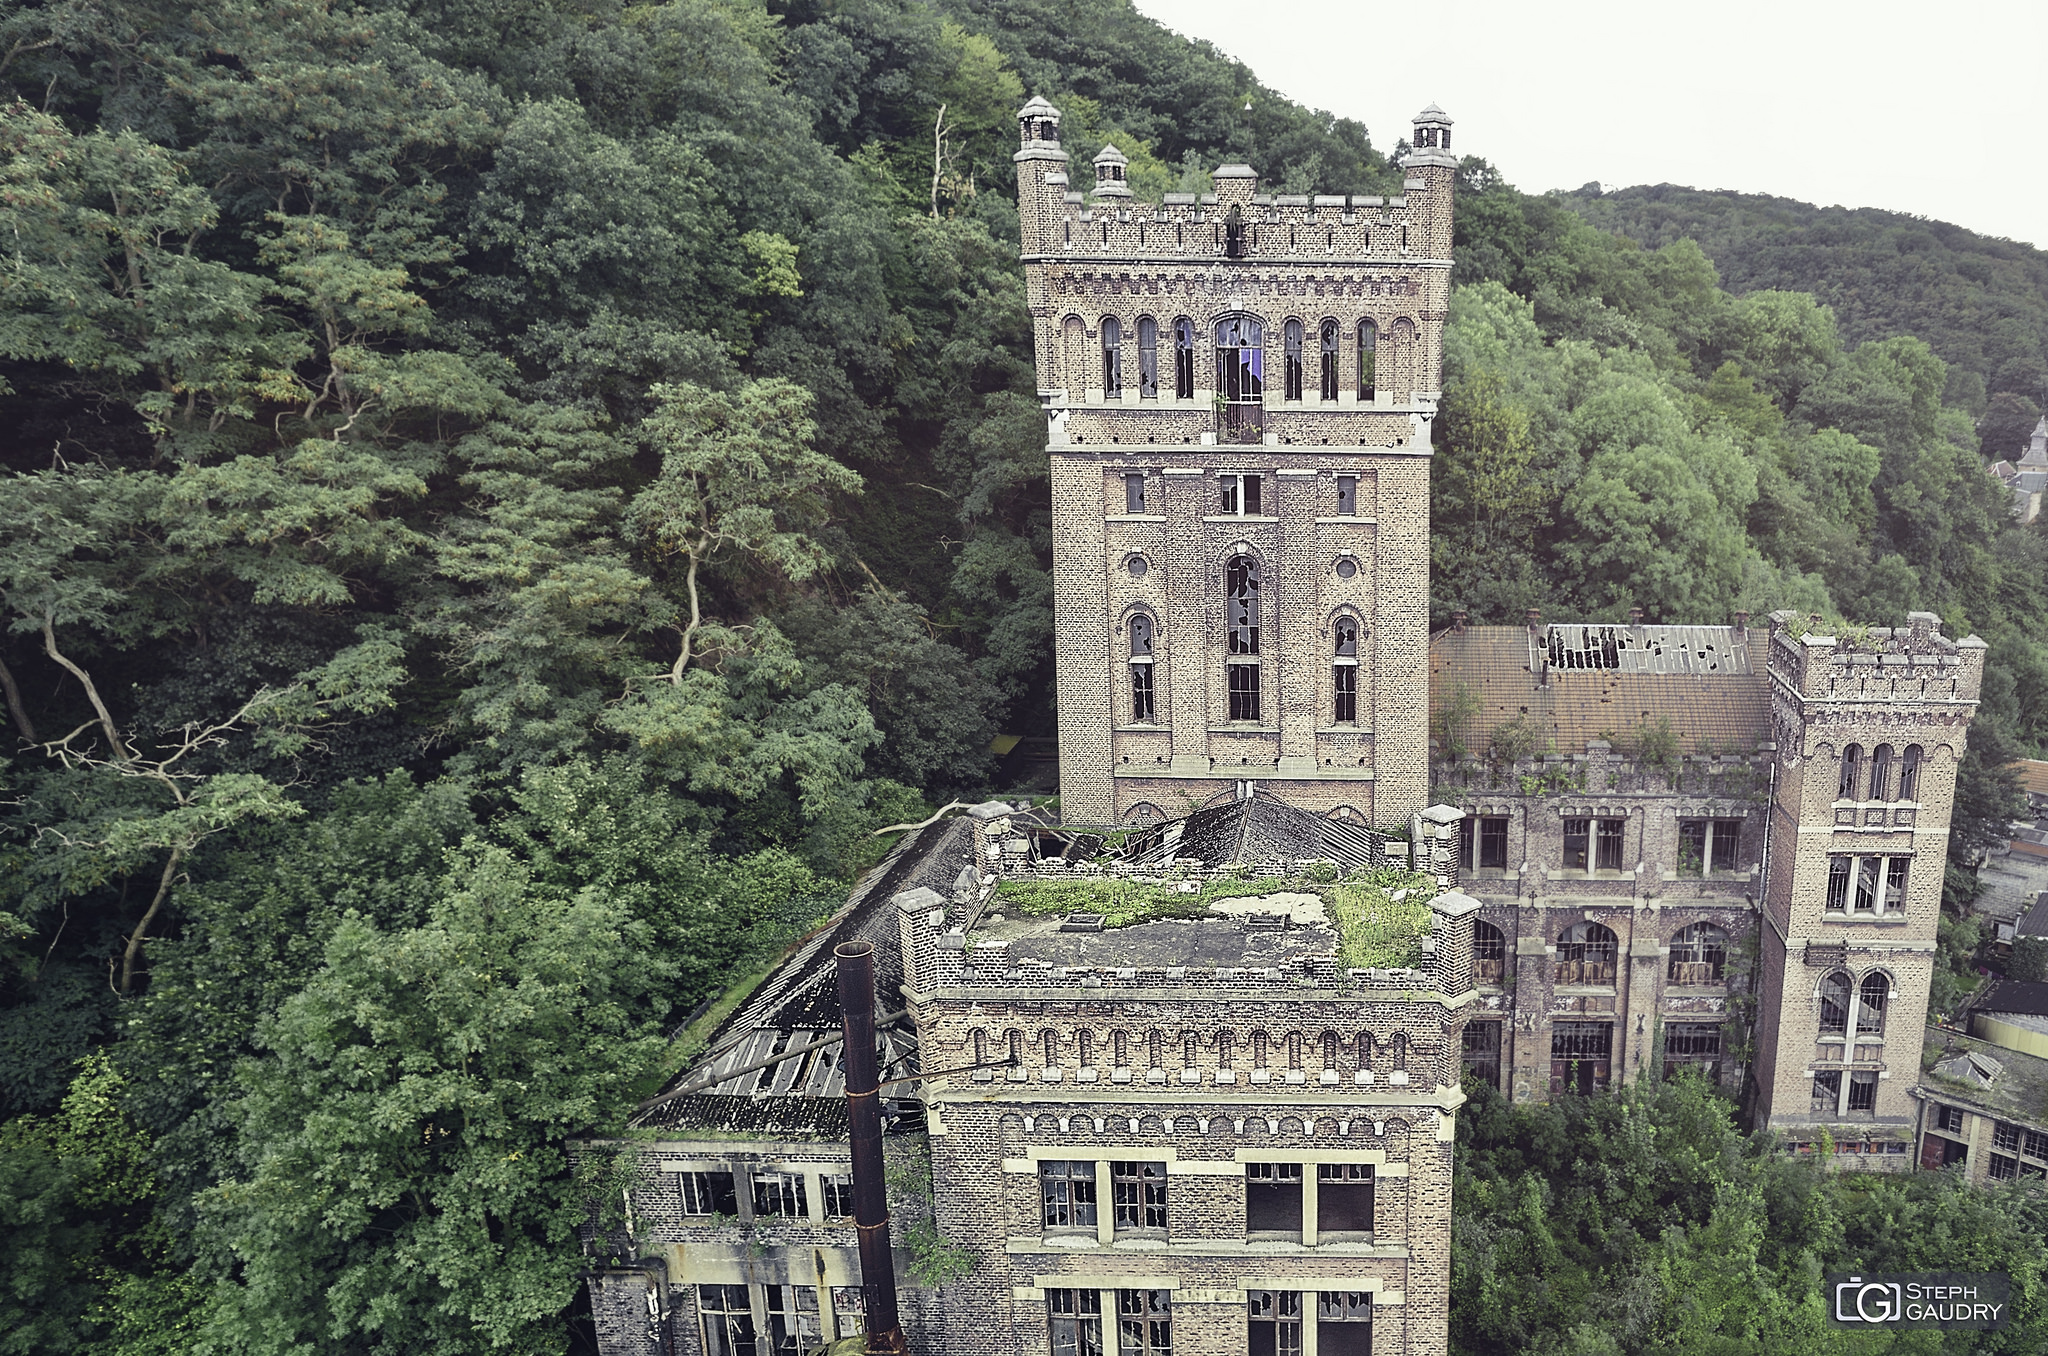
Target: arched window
[[1834, 1002], [1112, 359], [1259, 1049], [1190, 1050], [1074, 356], [1241, 623], [1585, 954], [1294, 1049], [980, 1046], [1144, 707], [1120, 1049], [1909, 773], [1155, 1048], [1344, 673], [1086, 1041], [1330, 1053], [1852, 773], [1699, 954], [1365, 1049], [1880, 773], [1368, 359], [1875, 992], [1400, 1051], [1489, 952], [1051, 1039], [1148, 358], [1184, 359], [1015, 1040], [1329, 336], [1291, 347], [1240, 377], [1226, 1042]]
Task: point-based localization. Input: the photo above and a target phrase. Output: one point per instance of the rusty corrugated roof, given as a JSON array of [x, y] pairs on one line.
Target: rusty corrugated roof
[[1581, 683], [2033, 775]]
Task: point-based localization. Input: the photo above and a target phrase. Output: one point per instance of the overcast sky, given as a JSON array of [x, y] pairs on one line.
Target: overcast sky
[[1938, 110]]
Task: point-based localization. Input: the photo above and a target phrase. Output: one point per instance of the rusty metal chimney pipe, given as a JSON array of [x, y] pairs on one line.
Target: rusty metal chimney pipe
[[856, 967]]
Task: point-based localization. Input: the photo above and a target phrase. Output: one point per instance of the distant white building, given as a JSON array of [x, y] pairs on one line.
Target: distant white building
[[2029, 479]]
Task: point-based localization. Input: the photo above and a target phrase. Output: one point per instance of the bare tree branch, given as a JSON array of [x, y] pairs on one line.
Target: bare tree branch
[[20, 712], [92, 691]]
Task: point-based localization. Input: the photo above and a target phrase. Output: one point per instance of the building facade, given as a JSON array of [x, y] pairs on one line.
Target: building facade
[[1239, 389], [1715, 847]]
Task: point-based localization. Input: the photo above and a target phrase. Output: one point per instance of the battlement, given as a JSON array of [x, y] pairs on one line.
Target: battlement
[[1912, 662], [1239, 226]]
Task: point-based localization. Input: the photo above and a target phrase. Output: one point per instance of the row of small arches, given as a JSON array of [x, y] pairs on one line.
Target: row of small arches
[[1595, 945], [1239, 351], [1877, 781], [1340, 1052], [1091, 1128]]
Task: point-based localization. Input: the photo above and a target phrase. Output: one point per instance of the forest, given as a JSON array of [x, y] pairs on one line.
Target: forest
[[502, 500]]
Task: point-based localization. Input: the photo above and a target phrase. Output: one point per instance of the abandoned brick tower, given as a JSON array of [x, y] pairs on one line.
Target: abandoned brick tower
[[1239, 389]]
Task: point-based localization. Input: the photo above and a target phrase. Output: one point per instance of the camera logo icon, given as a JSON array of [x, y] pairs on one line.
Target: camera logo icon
[[1860, 1301]]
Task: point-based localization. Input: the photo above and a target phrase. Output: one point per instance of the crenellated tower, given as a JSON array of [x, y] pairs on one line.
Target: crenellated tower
[[1239, 388]]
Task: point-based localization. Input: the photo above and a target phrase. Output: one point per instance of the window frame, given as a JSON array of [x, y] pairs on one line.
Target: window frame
[[780, 1189], [1067, 1195], [1368, 360], [1148, 357], [1144, 1322], [1183, 358], [1292, 336], [1326, 342], [1137, 1190], [1075, 1315], [1111, 332]]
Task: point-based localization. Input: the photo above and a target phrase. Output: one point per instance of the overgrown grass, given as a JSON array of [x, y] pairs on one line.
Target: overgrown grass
[[1123, 902], [1374, 929]]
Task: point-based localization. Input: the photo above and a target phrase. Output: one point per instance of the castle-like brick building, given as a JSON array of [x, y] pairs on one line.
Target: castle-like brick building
[[1227, 1126]]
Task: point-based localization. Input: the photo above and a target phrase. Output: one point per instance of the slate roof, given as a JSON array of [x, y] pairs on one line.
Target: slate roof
[[2012, 995], [2018, 1082], [1580, 683], [1260, 830], [2034, 923]]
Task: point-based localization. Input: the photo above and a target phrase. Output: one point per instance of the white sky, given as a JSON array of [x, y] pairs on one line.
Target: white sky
[[1937, 110]]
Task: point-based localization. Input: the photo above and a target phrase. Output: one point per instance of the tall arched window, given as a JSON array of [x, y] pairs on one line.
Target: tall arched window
[[1259, 1043], [1112, 359], [1190, 1050], [1400, 1051], [1329, 1044], [1909, 773], [1871, 998], [1241, 623], [1329, 337], [1368, 359], [1699, 955], [1074, 356], [1155, 1048], [1489, 952], [1120, 1049], [1148, 358], [1834, 1003], [1344, 673], [1880, 773], [1294, 1049], [1291, 347], [1086, 1043], [1226, 1042], [1585, 954], [1143, 706], [1240, 377], [1051, 1038], [1184, 359], [1852, 772]]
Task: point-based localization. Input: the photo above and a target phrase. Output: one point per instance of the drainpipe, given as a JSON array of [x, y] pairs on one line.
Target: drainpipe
[[856, 965]]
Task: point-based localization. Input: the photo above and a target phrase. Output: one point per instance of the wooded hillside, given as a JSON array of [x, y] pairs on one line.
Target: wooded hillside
[[500, 500]]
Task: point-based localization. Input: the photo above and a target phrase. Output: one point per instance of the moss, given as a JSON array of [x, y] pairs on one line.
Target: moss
[[1374, 929], [1123, 902]]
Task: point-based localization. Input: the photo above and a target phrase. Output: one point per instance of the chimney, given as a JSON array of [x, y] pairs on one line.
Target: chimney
[[1741, 620], [856, 966], [1458, 620], [1535, 617], [1635, 616]]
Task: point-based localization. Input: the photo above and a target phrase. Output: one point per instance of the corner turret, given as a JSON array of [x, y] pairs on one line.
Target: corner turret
[[1041, 174], [1109, 173]]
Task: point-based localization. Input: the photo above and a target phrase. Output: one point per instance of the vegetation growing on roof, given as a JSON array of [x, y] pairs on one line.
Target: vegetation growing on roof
[[1124, 902], [1375, 929]]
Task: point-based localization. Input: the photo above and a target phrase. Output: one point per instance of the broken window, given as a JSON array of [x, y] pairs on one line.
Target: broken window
[[780, 1193], [1699, 954], [1148, 358], [1827, 1091], [1852, 771], [1483, 842], [1291, 348], [849, 1310], [709, 1193], [1482, 1052], [1863, 1090], [1134, 492], [1238, 495], [1607, 844], [1598, 841], [1329, 345], [1695, 1045], [1871, 997], [2005, 1135], [1585, 954], [1272, 1197], [1580, 1056], [1240, 378], [1489, 952], [1839, 869], [792, 1319], [1343, 1198], [1112, 359], [2036, 1144], [1577, 840], [1076, 1320], [1344, 682], [1834, 1003], [1584, 647], [1999, 1169], [838, 1189], [1144, 709], [1880, 773], [1948, 1119], [1368, 359], [728, 1318], [1067, 1187], [1144, 1321], [1184, 359], [1274, 1323], [1707, 845], [1241, 604], [1866, 884], [1138, 1195], [1894, 883], [1909, 774], [1347, 496], [1344, 1323]]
